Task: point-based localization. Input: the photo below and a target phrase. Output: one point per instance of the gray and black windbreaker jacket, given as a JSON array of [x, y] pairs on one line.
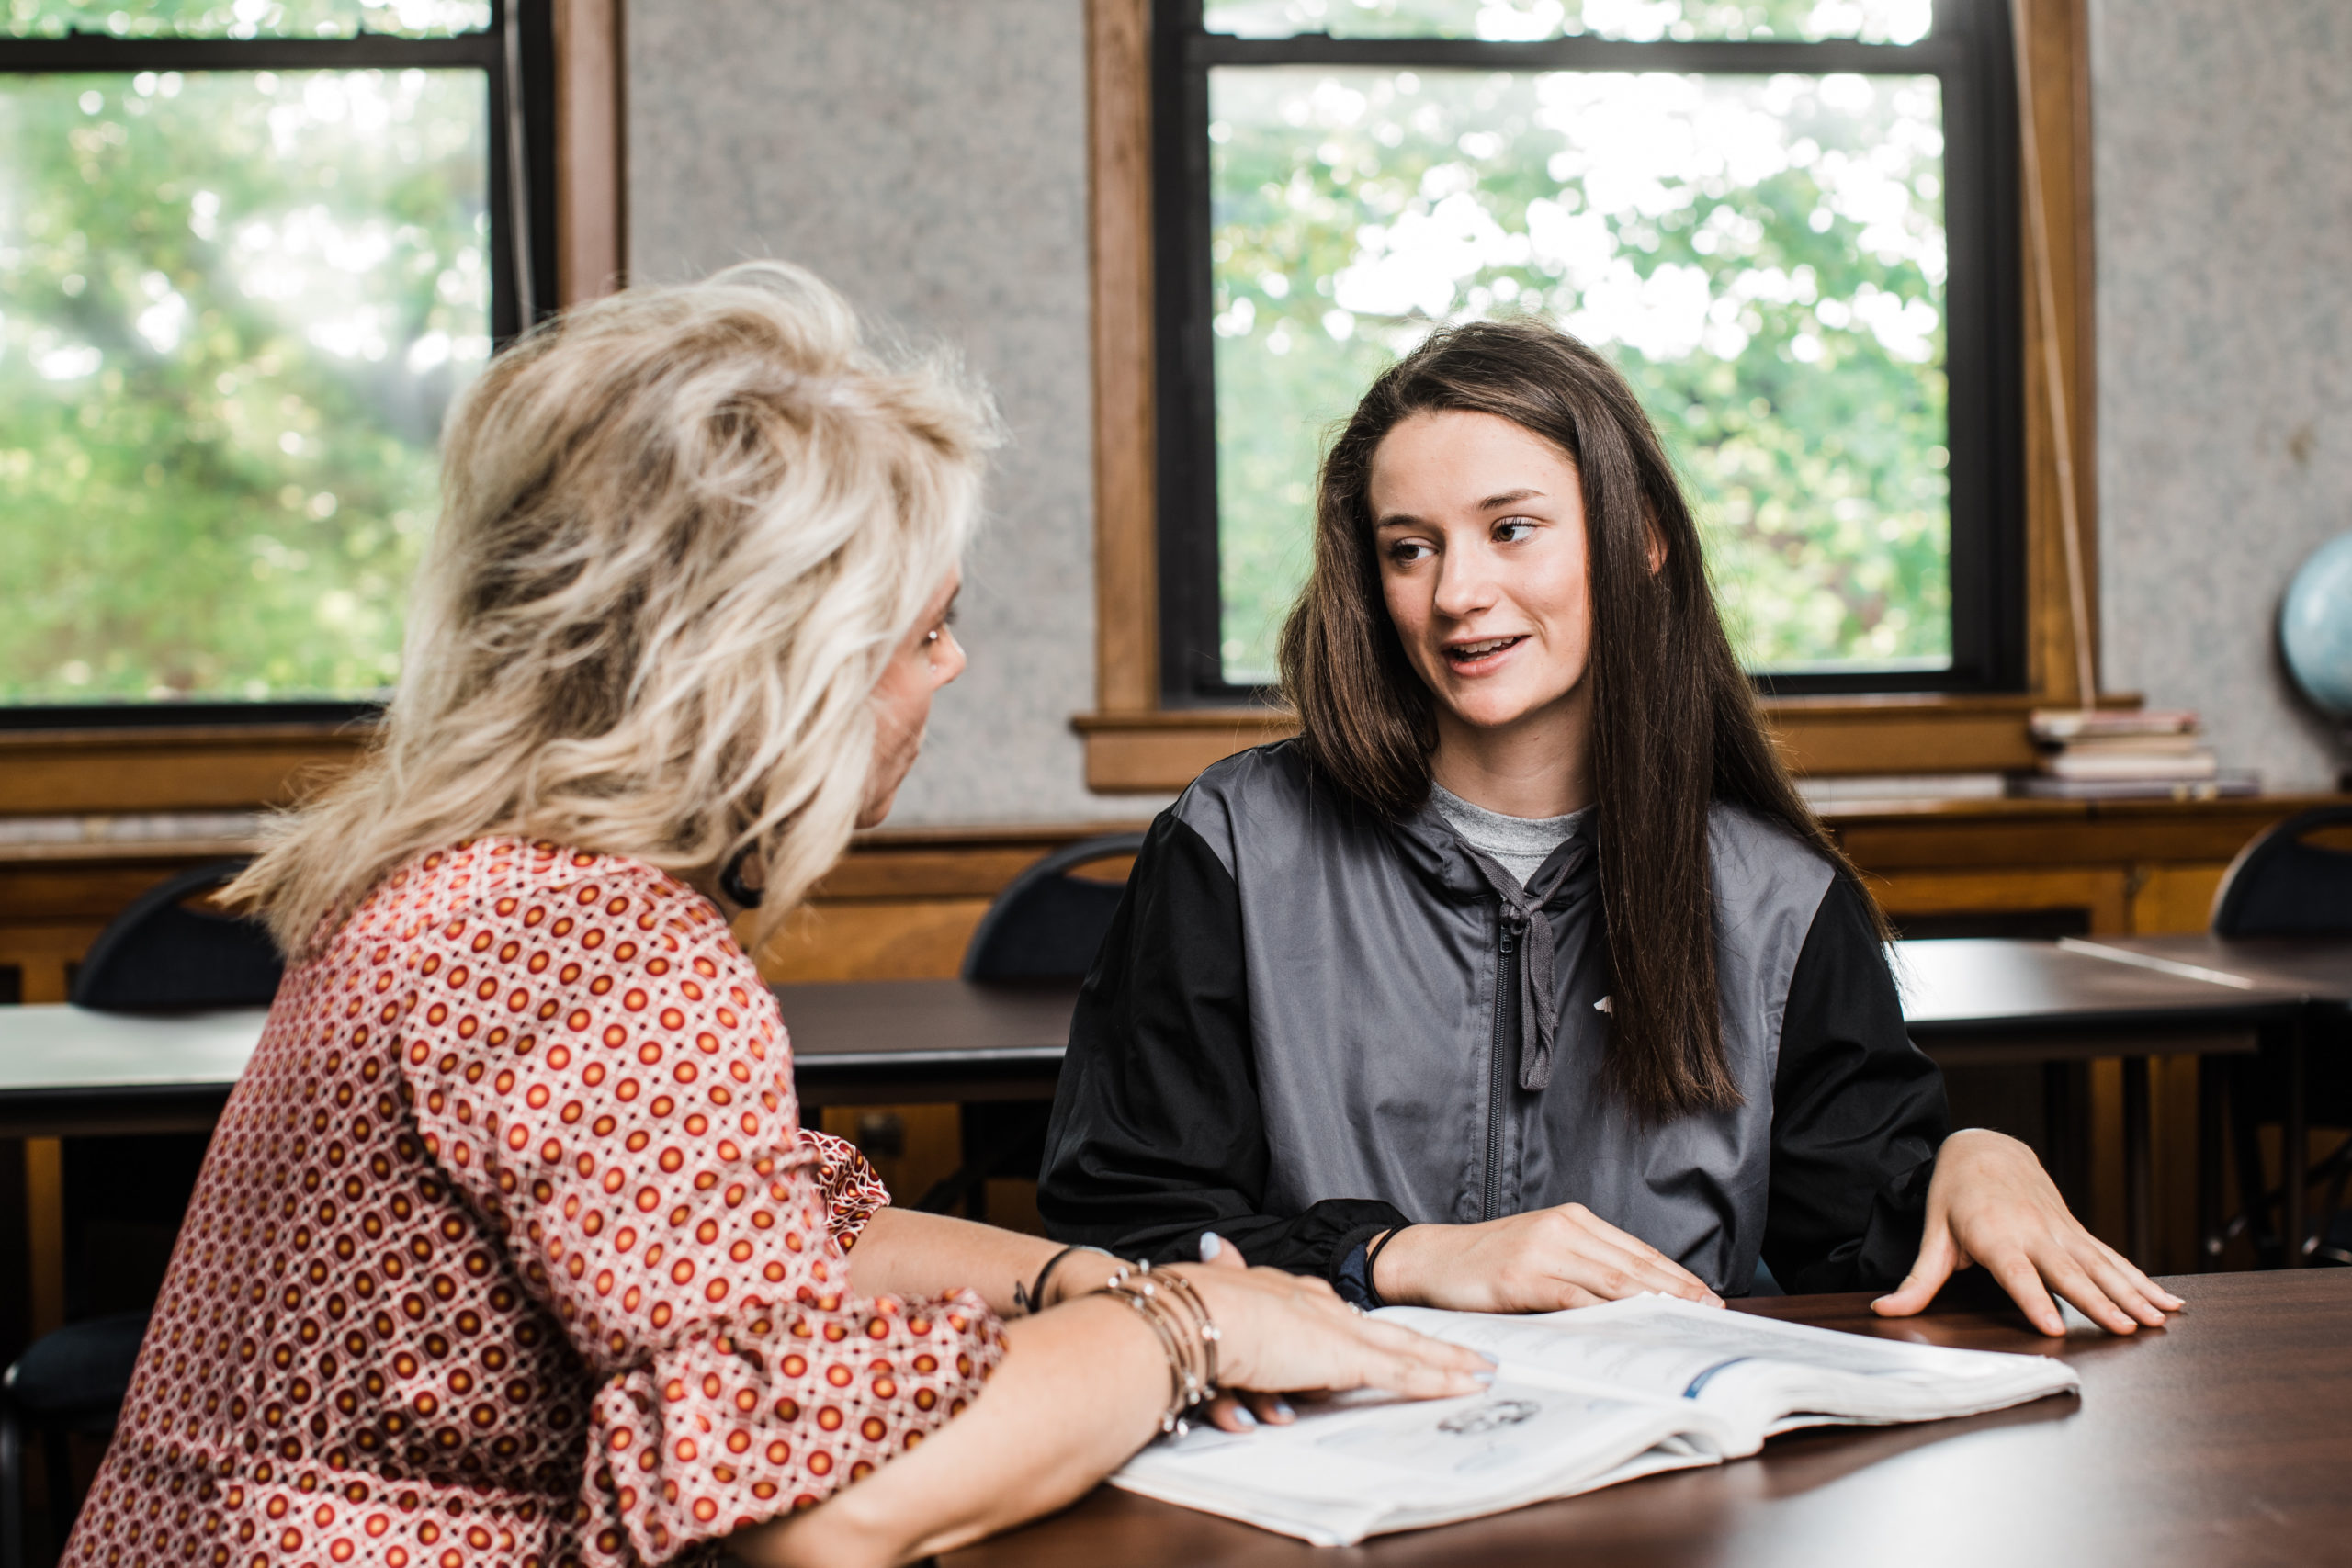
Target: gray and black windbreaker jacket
[[1309, 1024]]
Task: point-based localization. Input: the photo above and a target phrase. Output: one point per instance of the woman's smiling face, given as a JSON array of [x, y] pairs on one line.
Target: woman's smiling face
[[1480, 530]]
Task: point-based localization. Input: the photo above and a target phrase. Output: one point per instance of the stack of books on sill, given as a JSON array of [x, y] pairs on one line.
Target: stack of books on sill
[[2128, 754]]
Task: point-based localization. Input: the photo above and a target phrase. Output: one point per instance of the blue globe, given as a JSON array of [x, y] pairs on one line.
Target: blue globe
[[2315, 627]]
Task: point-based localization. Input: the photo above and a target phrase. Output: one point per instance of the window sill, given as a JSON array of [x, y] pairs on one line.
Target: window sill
[[1139, 754], [97, 772]]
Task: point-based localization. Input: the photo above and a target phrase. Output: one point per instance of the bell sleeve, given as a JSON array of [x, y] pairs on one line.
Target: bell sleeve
[[602, 1071]]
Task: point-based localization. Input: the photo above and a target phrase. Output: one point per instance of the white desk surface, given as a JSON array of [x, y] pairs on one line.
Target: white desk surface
[[54, 1045], [48, 1047]]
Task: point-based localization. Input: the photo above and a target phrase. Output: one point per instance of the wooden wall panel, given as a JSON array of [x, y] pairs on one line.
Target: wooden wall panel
[[2057, 51], [1127, 577], [904, 903], [2103, 892], [913, 938], [2172, 899], [85, 771], [2035, 835], [927, 1140]]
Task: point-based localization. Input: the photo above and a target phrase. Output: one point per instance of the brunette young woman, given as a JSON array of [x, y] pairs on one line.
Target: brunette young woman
[[1522, 978], [511, 1247]]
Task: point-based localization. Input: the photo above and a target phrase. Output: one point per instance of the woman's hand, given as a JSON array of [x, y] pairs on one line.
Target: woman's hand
[[1253, 1399], [1082, 1388], [1285, 1333], [1540, 1261], [1991, 1203]]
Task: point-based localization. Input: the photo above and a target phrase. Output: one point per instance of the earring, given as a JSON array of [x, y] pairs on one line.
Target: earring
[[731, 881]]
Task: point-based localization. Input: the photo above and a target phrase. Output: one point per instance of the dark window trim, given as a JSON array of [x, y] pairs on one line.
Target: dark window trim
[[485, 51], [1969, 52]]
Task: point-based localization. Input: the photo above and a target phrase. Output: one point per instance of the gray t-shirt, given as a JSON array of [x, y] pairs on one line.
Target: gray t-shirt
[[1518, 844]]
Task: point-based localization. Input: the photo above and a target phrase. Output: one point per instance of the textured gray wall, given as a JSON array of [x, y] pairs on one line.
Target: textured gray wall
[[927, 157], [2224, 232]]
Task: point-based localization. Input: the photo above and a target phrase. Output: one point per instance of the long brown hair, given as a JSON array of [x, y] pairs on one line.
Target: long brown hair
[[1675, 724]]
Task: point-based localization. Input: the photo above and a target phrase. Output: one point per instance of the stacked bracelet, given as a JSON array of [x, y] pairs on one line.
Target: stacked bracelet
[[1180, 1318]]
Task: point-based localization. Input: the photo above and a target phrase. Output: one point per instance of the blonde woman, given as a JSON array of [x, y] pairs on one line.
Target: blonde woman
[[511, 1247]]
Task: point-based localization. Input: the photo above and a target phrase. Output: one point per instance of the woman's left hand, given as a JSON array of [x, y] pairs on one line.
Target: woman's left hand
[[1991, 1203]]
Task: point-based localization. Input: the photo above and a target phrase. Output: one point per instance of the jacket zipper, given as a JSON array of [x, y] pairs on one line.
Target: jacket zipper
[[1502, 1072]]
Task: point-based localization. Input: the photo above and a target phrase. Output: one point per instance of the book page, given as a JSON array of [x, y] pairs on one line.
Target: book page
[[1581, 1399], [1754, 1370], [1359, 1465]]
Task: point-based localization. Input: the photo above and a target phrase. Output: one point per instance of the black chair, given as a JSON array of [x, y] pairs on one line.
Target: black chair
[[70, 1384], [1047, 925], [2283, 885], [158, 954]]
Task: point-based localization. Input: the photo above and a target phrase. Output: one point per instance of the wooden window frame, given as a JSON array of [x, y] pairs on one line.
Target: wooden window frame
[[135, 766], [1135, 744]]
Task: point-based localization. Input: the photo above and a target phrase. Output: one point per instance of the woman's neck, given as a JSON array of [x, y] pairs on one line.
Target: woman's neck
[[1539, 766]]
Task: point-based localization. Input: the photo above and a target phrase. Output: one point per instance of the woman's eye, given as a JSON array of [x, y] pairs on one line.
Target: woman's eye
[[1403, 552], [1513, 530]]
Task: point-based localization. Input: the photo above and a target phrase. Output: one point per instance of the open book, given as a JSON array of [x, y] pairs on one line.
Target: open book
[[1581, 1400]]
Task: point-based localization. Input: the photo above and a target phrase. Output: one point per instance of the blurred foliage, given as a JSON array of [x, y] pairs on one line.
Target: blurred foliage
[[242, 19], [1763, 259], [234, 307], [1871, 21]]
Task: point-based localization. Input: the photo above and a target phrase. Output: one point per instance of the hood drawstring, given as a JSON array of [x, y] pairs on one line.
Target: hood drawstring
[[1539, 1004]]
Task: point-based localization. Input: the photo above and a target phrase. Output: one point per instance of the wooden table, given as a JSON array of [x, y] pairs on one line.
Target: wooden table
[[2223, 1441], [67, 1072], [1993, 1000], [2319, 966], [856, 1042]]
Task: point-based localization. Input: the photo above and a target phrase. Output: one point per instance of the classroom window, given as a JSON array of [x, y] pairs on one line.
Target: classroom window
[[249, 252], [1789, 222]]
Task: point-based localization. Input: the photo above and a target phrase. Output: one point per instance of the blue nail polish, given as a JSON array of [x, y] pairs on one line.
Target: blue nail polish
[[1242, 1414], [1283, 1411], [1211, 1244], [1490, 1360], [1482, 1376]]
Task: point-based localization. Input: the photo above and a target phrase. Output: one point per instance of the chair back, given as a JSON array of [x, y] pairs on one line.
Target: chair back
[[2281, 886], [159, 954], [1047, 924], [79, 1372]]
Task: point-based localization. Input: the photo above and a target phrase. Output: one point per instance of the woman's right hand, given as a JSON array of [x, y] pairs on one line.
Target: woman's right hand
[[1082, 1387], [1282, 1333], [1543, 1260]]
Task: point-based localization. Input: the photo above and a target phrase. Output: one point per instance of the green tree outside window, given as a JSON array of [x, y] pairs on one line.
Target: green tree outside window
[[234, 307], [1763, 256]]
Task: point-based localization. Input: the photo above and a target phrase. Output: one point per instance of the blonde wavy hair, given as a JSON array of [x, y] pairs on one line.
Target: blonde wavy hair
[[681, 531]]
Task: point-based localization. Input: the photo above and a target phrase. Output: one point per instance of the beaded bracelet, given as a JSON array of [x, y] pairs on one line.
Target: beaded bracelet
[[1181, 1388], [1179, 1319], [1203, 1329]]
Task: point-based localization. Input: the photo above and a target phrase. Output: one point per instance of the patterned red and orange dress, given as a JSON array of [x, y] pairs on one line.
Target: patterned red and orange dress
[[511, 1250]]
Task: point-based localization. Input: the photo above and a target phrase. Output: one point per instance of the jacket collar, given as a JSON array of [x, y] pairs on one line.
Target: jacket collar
[[1427, 842]]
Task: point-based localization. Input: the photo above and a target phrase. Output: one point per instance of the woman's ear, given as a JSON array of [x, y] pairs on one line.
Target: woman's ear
[[1652, 543]]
